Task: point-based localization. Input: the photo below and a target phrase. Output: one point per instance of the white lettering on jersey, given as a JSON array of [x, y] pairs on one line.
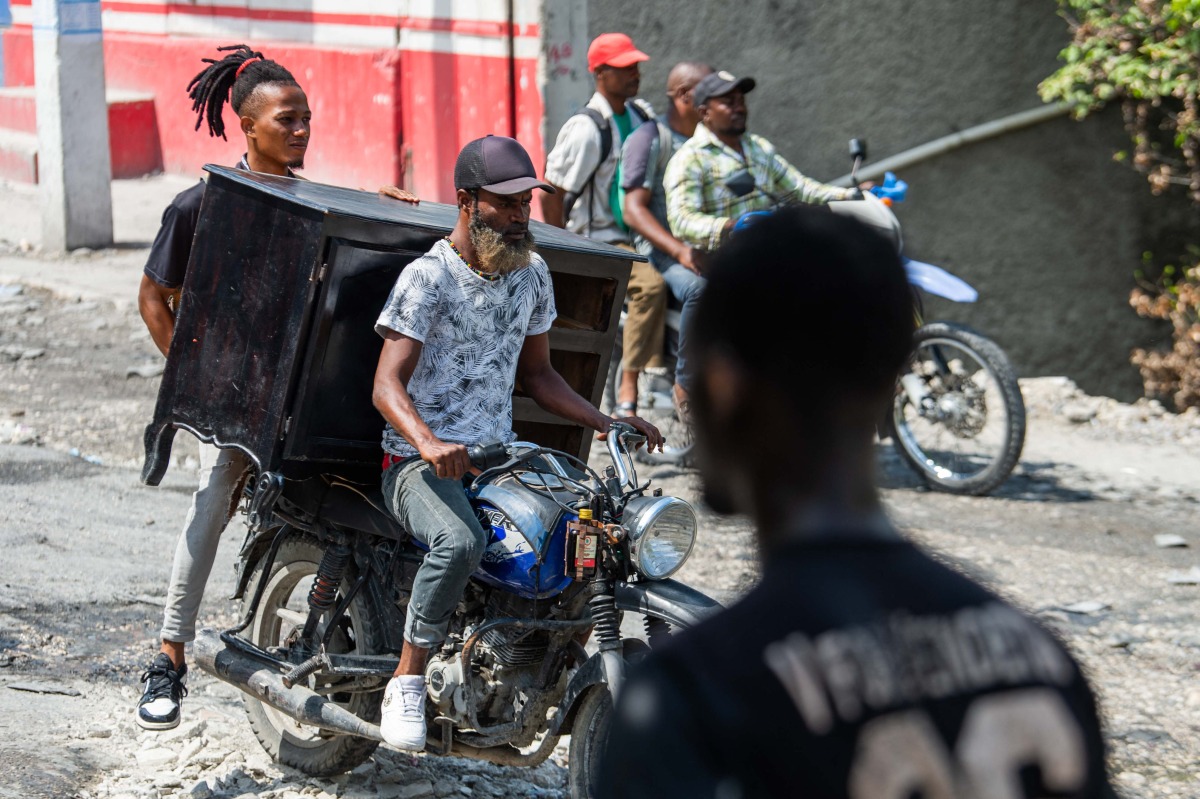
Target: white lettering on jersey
[[899, 754], [906, 659]]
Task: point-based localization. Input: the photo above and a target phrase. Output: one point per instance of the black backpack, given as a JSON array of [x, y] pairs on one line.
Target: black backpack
[[640, 111]]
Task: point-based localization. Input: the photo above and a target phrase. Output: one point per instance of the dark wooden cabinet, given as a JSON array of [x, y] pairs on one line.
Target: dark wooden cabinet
[[275, 349]]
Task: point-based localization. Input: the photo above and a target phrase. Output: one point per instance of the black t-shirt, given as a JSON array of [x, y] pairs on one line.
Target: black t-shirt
[[172, 247], [861, 670]]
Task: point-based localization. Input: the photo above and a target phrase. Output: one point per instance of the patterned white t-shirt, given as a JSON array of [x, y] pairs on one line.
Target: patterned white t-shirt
[[472, 331]]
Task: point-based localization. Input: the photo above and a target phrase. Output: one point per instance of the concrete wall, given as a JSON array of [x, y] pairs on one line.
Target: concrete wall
[[396, 86], [1041, 221]]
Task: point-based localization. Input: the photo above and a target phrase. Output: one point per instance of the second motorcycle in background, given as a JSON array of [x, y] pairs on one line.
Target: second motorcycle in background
[[958, 418]]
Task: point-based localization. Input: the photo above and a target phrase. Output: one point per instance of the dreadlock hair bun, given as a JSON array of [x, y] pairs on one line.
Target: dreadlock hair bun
[[232, 78]]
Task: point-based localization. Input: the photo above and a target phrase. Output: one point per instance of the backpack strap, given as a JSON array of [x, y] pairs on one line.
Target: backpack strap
[[606, 136], [606, 144], [666, 146], [640, 111], [640, 108]]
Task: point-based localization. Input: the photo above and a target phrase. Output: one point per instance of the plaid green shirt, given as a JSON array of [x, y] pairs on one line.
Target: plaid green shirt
[[699, 203]]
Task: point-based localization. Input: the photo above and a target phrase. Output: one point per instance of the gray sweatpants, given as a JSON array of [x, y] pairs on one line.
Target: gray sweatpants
[[212, 507]]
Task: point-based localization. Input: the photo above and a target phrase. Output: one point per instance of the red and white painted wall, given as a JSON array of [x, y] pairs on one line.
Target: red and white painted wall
[[396, 86]]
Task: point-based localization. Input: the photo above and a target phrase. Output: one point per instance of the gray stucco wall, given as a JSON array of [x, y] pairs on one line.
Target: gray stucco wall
[[1041, 221]]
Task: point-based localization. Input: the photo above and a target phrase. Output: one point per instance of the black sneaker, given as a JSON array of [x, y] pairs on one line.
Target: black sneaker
[[159, 705]]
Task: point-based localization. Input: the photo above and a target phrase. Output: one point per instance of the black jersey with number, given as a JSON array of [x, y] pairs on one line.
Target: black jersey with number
[[861, 669]]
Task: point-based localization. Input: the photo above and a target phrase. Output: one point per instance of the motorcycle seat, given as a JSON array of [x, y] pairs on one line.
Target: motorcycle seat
[[348, 503]]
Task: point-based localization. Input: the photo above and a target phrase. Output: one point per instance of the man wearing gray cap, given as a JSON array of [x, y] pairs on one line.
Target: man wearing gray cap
[[460, 323], [722, 171]]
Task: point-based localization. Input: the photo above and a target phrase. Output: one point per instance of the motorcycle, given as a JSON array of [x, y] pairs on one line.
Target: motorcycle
[[958, 417], [535, 649]]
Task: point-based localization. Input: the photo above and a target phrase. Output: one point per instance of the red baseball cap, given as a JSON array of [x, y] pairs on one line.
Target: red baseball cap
[[613, 50]]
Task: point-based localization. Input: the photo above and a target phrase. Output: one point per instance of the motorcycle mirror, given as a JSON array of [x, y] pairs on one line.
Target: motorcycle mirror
[[858, 149]]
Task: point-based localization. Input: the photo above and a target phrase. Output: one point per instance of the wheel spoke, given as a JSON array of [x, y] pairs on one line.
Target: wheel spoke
[[284, 611]]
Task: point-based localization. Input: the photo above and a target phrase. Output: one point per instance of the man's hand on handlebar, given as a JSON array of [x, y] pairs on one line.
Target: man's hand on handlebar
[[654, 439], [449, 461]]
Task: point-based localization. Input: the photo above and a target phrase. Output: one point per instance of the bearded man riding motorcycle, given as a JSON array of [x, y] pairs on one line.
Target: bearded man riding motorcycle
[[461, 323]]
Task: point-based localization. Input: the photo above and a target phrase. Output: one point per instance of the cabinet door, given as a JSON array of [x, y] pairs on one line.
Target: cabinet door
[[333, 418]]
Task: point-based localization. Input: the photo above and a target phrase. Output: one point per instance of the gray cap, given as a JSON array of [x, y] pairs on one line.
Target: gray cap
[[717, 84], [499, 165]]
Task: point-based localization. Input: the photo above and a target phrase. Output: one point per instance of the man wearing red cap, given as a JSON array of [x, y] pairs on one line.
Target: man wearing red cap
[[585, 166]]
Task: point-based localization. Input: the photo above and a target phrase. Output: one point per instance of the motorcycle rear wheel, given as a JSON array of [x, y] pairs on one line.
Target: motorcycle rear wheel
[[967, 436], [281, 613]]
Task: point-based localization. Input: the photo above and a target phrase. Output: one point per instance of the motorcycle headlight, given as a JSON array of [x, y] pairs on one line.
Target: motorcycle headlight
[[662, 531]]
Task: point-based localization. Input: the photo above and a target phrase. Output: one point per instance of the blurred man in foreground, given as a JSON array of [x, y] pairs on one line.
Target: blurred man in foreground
[[858, 667]]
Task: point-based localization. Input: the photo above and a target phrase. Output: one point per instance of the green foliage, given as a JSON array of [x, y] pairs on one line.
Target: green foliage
[[1145, 56]]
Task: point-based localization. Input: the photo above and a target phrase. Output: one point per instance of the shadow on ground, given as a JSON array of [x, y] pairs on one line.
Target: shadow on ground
[[1043, 481]]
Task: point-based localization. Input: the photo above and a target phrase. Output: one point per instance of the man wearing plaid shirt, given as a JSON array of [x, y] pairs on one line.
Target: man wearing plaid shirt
[[723, 172]]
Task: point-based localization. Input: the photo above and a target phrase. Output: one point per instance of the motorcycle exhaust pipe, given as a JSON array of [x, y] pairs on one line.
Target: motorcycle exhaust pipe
[[266, 685], [308, 707]]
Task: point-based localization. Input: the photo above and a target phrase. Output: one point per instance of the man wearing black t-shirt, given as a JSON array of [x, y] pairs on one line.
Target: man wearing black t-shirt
[[859, 667], [274, 116]]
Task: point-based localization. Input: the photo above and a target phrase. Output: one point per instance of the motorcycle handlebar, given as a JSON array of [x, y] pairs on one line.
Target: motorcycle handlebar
[[487, 456], [620, 436]]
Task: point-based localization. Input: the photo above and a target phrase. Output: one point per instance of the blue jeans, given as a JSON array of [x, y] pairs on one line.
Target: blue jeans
[[687, 287], [436, 512]]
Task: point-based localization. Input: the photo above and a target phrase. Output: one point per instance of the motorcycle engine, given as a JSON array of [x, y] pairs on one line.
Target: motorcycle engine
[[504, 664], [508, 645], [444, 685]]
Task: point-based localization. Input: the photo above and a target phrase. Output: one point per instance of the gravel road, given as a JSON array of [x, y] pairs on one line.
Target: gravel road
[[1075, 536]]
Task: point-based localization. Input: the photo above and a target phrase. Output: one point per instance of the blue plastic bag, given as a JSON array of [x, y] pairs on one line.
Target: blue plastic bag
[[892, 189]]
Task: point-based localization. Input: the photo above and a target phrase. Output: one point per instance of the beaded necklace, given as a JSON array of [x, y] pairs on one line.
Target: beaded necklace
[[489, 276]]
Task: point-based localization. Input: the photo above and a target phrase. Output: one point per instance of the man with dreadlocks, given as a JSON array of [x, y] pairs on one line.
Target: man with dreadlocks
[[274, 116]]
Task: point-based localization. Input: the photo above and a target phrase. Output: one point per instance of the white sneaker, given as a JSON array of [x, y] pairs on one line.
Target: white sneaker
[[403, 720]]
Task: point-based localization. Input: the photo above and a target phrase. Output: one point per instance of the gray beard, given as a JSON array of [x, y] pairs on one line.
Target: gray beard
[[493, 253]]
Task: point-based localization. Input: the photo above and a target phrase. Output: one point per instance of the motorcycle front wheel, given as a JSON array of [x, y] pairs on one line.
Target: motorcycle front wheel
[[958, 417], [589, 734], [281, 614], [589, 731]]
